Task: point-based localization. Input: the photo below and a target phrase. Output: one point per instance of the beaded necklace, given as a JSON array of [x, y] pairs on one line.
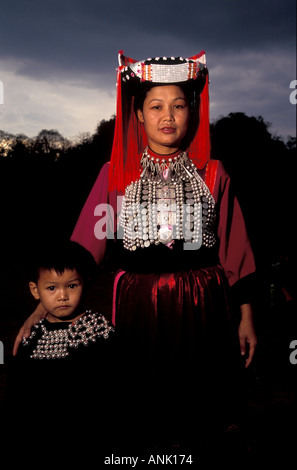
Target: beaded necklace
[[55, 344], [169, 202]]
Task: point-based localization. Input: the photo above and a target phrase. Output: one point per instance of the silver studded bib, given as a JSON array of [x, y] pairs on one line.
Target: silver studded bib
[[169, 202], [57, 344]]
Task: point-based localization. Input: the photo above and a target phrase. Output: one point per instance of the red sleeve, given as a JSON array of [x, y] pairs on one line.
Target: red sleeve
[[96, 221], [235, 251]]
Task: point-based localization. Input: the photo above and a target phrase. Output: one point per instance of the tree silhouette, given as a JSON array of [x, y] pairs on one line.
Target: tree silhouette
[[55, 177], [259, 165], [50, 142]]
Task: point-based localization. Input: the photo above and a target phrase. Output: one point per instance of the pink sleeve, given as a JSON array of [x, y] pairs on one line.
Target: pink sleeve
[[235, 251], [85, 232]]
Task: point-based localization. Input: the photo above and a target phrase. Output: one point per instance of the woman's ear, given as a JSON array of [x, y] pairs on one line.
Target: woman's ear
[[34, 290], [140, 115]]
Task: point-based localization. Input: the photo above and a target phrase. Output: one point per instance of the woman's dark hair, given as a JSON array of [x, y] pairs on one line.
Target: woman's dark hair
[[191, 90]]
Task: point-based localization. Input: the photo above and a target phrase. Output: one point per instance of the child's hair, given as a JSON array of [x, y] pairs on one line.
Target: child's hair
[[62, 255]]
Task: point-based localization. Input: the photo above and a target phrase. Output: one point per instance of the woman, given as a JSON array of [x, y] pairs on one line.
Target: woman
[[182, 248]]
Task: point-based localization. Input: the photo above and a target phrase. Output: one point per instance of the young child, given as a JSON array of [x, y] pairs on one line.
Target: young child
[[62, 381], [59, 280]]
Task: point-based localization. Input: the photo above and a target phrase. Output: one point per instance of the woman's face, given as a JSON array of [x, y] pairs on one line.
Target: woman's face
[[165, 116]]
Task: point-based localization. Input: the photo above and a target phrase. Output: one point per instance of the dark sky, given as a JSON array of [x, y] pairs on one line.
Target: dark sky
[[58, 58]]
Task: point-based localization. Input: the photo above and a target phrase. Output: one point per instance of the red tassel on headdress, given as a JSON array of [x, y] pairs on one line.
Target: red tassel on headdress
[[128, 142], [136, 142], [199, 150], [116, 171]]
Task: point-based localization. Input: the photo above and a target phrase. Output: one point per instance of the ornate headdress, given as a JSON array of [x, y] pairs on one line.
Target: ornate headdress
[[130, 138]]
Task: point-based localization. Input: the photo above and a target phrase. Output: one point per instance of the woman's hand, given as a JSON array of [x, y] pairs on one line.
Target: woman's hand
[[247, 333], [38, 314]]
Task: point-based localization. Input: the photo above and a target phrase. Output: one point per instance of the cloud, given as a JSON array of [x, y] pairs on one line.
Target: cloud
[[76, 33], [256, 83], [70, 107], [59, 61]]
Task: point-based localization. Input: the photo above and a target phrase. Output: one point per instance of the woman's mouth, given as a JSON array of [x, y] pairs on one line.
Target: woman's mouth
[[168, 130]]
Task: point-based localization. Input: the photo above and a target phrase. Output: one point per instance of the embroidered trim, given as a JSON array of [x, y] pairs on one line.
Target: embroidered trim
[[166, 72]]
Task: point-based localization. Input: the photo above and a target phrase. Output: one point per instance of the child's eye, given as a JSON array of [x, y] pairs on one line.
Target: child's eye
[[72, 286], [51, 288]]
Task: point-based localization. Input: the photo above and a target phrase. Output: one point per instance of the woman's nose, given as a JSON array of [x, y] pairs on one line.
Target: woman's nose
[[168, 114]]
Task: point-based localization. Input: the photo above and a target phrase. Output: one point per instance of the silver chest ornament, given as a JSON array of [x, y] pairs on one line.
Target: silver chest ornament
[[169, 202]]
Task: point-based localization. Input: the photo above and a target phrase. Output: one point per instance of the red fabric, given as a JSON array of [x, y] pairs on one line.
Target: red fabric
[[136, 142], [129, 141], [123, 60], [116, 171], [177, 349], [114, 295], [211, 174], [235, 251], [199, 150], [195, 57], [172, 313], [84, 231]]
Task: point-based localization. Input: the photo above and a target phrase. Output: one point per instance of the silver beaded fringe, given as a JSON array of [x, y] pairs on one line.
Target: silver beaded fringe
[[169, 202]]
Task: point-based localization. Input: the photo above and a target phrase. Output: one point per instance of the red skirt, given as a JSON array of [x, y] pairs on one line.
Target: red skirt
[[169, 316], [176, 346]]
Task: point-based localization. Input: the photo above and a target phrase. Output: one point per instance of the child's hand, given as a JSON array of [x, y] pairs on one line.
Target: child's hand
[[25, 331]]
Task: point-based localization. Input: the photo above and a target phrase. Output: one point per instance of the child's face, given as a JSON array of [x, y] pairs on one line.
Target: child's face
[[60, 294]]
